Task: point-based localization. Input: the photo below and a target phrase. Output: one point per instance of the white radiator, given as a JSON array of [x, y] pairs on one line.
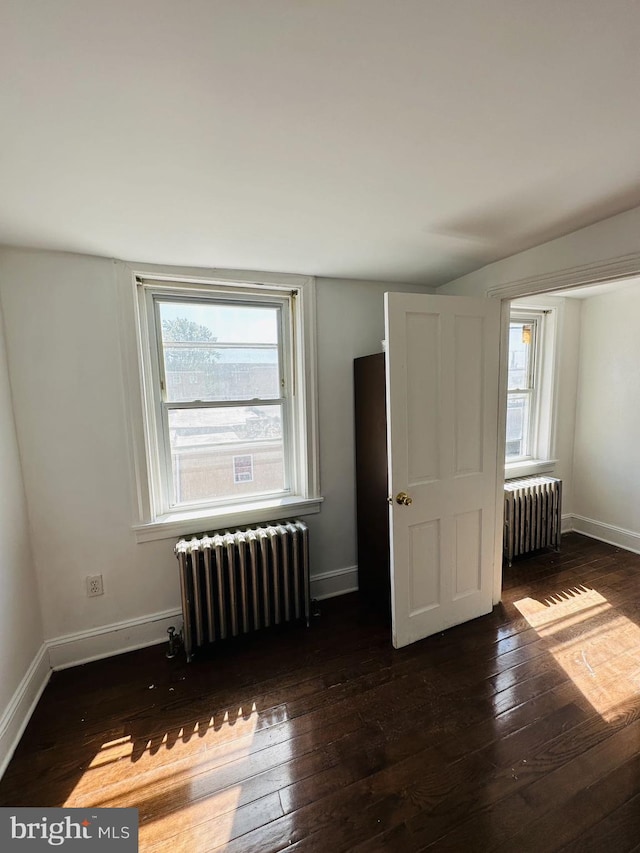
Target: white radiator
[[239, 581], [532, 515]]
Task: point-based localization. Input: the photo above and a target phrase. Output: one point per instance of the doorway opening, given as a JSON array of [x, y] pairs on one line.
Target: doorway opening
[[593, 401]]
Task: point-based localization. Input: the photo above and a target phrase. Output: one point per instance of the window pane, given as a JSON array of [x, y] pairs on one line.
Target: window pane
[[518, 407], [213, 373], [521, 335], [220, 352], [227, 452]]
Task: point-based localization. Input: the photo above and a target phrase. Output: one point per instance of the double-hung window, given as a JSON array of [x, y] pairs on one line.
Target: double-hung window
[[224, 398], [522, 389], [531, 389]]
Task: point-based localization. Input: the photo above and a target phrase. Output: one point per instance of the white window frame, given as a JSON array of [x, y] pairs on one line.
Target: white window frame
[[158, 407], [540, 458], [157, 518], [531, 388]]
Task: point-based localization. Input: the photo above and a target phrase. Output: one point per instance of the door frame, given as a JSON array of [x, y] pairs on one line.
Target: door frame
[[613, 270], [503, 381]]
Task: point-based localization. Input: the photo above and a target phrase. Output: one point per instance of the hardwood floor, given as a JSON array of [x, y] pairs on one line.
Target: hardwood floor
[[517, 731]]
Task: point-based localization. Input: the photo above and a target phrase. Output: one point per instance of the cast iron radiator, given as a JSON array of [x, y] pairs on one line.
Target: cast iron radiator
[[532, 515], [235, 582]]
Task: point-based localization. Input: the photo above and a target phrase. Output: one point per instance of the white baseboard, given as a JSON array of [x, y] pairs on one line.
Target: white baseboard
[[335, 582], [18, 712], [108, 640], [627, 539], [566, 524]]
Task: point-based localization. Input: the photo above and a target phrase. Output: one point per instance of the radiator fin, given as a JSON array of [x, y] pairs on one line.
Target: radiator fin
[[532, 515], [238, 581]]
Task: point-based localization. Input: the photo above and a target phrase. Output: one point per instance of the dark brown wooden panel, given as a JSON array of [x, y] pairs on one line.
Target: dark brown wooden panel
[[372, 509]]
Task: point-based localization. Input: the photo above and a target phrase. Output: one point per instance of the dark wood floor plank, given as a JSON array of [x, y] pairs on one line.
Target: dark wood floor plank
[[576, 816], [221, 829], [518, 730], [619, 831], [450, 791], [503, 823]]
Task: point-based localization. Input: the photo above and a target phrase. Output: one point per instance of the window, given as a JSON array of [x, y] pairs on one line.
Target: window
[[530, 389], [226, 408], [224, 395], [522, 388]]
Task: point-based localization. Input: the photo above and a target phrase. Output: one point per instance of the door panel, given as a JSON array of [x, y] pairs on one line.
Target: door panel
[[468, 402], [442, 404], [468, 562], [424, 543], [423, 456]]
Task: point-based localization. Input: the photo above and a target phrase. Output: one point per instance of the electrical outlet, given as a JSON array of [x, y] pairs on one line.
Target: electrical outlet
[[94, 585]]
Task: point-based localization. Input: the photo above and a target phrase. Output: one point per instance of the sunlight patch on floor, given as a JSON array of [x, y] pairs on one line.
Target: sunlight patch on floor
[[207, 732], [166, 786], [596, 646]]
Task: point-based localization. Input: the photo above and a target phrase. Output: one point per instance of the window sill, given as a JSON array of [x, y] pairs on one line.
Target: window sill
[[179, 524], [529, 467]]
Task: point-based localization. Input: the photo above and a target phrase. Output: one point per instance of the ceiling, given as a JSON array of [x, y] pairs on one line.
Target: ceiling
[[588, 291], [410, 141]]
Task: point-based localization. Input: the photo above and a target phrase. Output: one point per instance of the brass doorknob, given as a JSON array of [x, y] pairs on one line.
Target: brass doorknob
[[403, 499]]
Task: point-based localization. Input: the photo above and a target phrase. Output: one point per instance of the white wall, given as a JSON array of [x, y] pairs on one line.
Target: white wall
[[569, 335], [601, 495], [65, 360], [64, 356], [21, 634], [607, 246], [607, 449], [350, 324]]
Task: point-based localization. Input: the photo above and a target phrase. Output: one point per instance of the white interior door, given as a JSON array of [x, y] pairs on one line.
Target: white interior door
[[442, 370]]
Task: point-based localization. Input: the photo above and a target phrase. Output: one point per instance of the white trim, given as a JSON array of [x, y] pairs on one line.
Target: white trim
[[132, 377], [609, 533], [152, 294], [620, 267], [516, 470], [108, 640], [131, 634], [333, 583], [183, 524], [18, 712], [534, 385], [134, 393], [566, 523], [309, 355], [503, 382], [200, 275], [550, 315]]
